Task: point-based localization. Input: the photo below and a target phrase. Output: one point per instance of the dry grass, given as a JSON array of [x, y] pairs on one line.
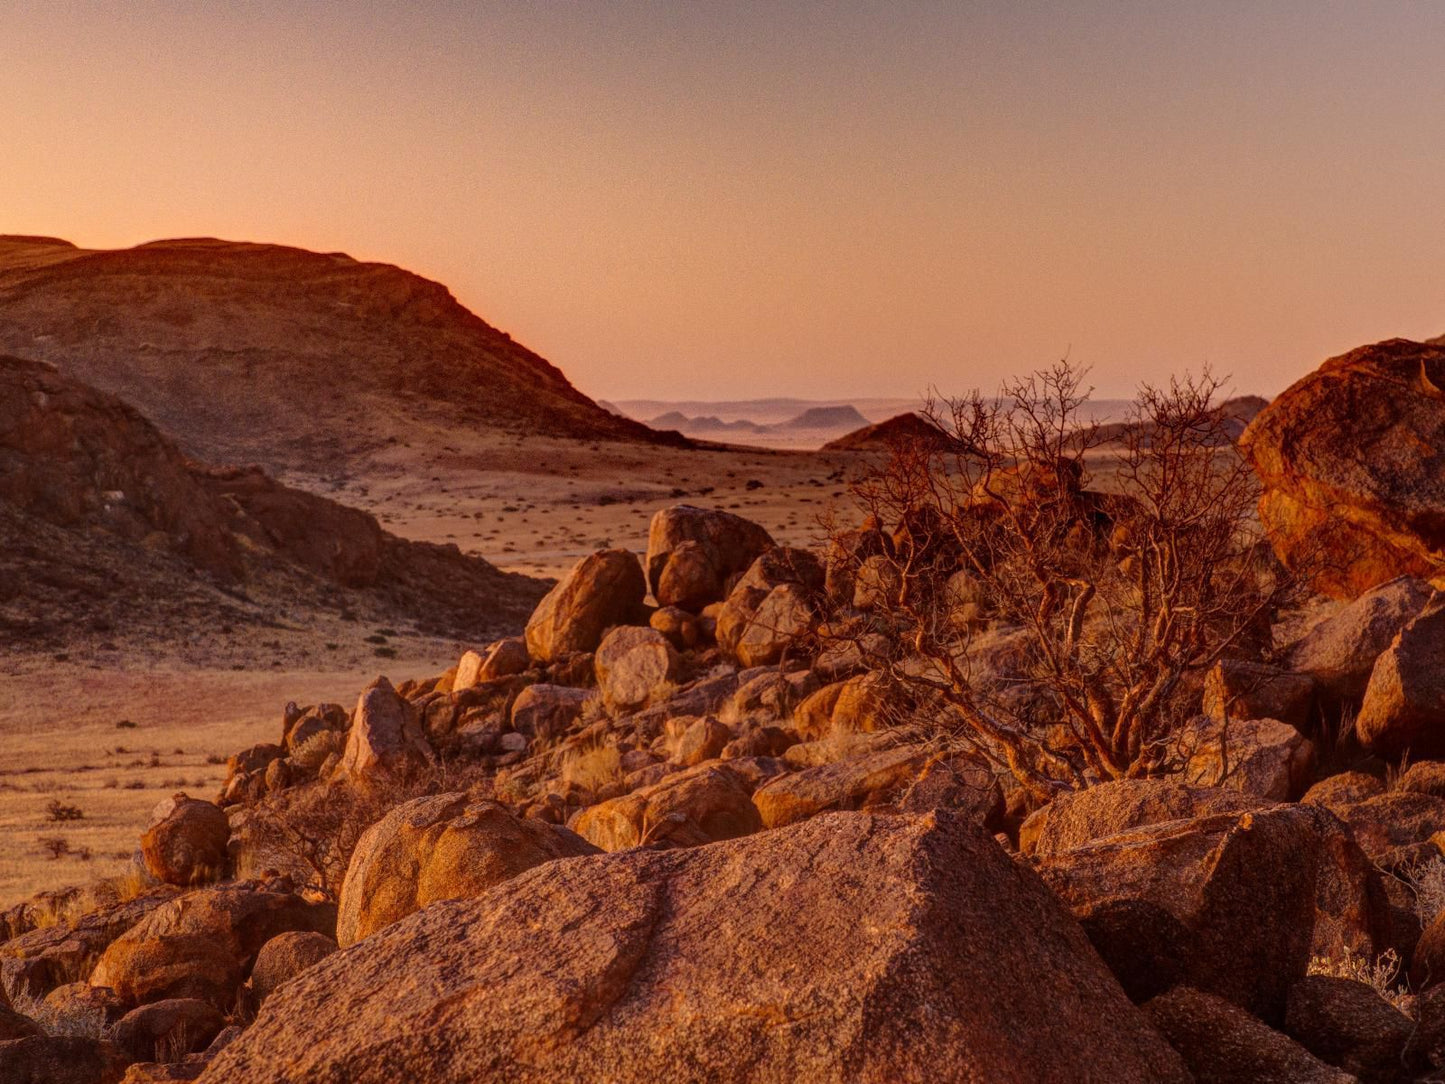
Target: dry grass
[[1380, 975], [593, 766]]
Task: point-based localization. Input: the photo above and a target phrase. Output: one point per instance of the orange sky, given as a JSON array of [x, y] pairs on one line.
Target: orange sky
[[744, 199]]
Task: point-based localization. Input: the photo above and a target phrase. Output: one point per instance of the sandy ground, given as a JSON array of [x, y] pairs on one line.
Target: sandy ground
[[112, 743], [537, 505]]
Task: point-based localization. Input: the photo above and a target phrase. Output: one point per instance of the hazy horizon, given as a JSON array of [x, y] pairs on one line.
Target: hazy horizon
[[817, 201]]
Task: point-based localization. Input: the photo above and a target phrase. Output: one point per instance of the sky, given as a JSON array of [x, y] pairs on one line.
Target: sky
[[746, 199]]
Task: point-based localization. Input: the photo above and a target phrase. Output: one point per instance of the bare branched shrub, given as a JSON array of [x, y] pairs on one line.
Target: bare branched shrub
[[1049, 602], [311, 830], [60, 812]]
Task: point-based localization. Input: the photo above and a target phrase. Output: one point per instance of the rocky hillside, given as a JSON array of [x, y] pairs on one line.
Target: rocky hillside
[[908, 426], [251, 353], [107, 528]]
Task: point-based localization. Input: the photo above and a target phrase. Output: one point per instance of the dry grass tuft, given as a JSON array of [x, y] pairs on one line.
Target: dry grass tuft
[[1427, 881], [1380, 975], [592, 766]]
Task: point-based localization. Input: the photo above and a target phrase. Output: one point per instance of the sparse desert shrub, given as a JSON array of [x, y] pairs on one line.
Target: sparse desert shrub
[[1427, 881], [1113, 598], [1379, 974], [125, 724], [59, 812], [54, 846]]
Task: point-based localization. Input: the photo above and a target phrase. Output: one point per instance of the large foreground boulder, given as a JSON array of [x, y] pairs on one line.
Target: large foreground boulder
[[603, 589], [854, 947], [440, 847], [1352, 463]]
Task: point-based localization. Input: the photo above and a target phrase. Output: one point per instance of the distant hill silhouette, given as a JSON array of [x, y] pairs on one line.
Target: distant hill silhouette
[[829, 417], [1236, 414], [907, 426], [280, 356]]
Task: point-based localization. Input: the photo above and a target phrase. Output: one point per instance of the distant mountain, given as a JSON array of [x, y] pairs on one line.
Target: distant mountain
[[280, 356], [908, 426], [1236, 414], [704, 425], [831, 417]]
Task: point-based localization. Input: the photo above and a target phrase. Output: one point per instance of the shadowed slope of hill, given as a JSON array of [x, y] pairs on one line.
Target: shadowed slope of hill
[[105, 527], [292, 359]]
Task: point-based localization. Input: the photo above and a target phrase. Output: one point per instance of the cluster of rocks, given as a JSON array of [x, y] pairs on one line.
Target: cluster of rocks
[[692, 846], [695, 846]]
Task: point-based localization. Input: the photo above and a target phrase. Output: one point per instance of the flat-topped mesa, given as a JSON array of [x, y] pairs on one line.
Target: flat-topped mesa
[[280, 356]]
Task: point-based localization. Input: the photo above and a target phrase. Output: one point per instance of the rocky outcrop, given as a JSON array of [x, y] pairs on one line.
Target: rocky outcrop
[[272, 333], [702, 805], [386, 737], [202, 944], [186, 841], [602, 590], [850, 948], [1404, 706], [1352, 463], [693, 552], [441, 847], [633, 664]]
